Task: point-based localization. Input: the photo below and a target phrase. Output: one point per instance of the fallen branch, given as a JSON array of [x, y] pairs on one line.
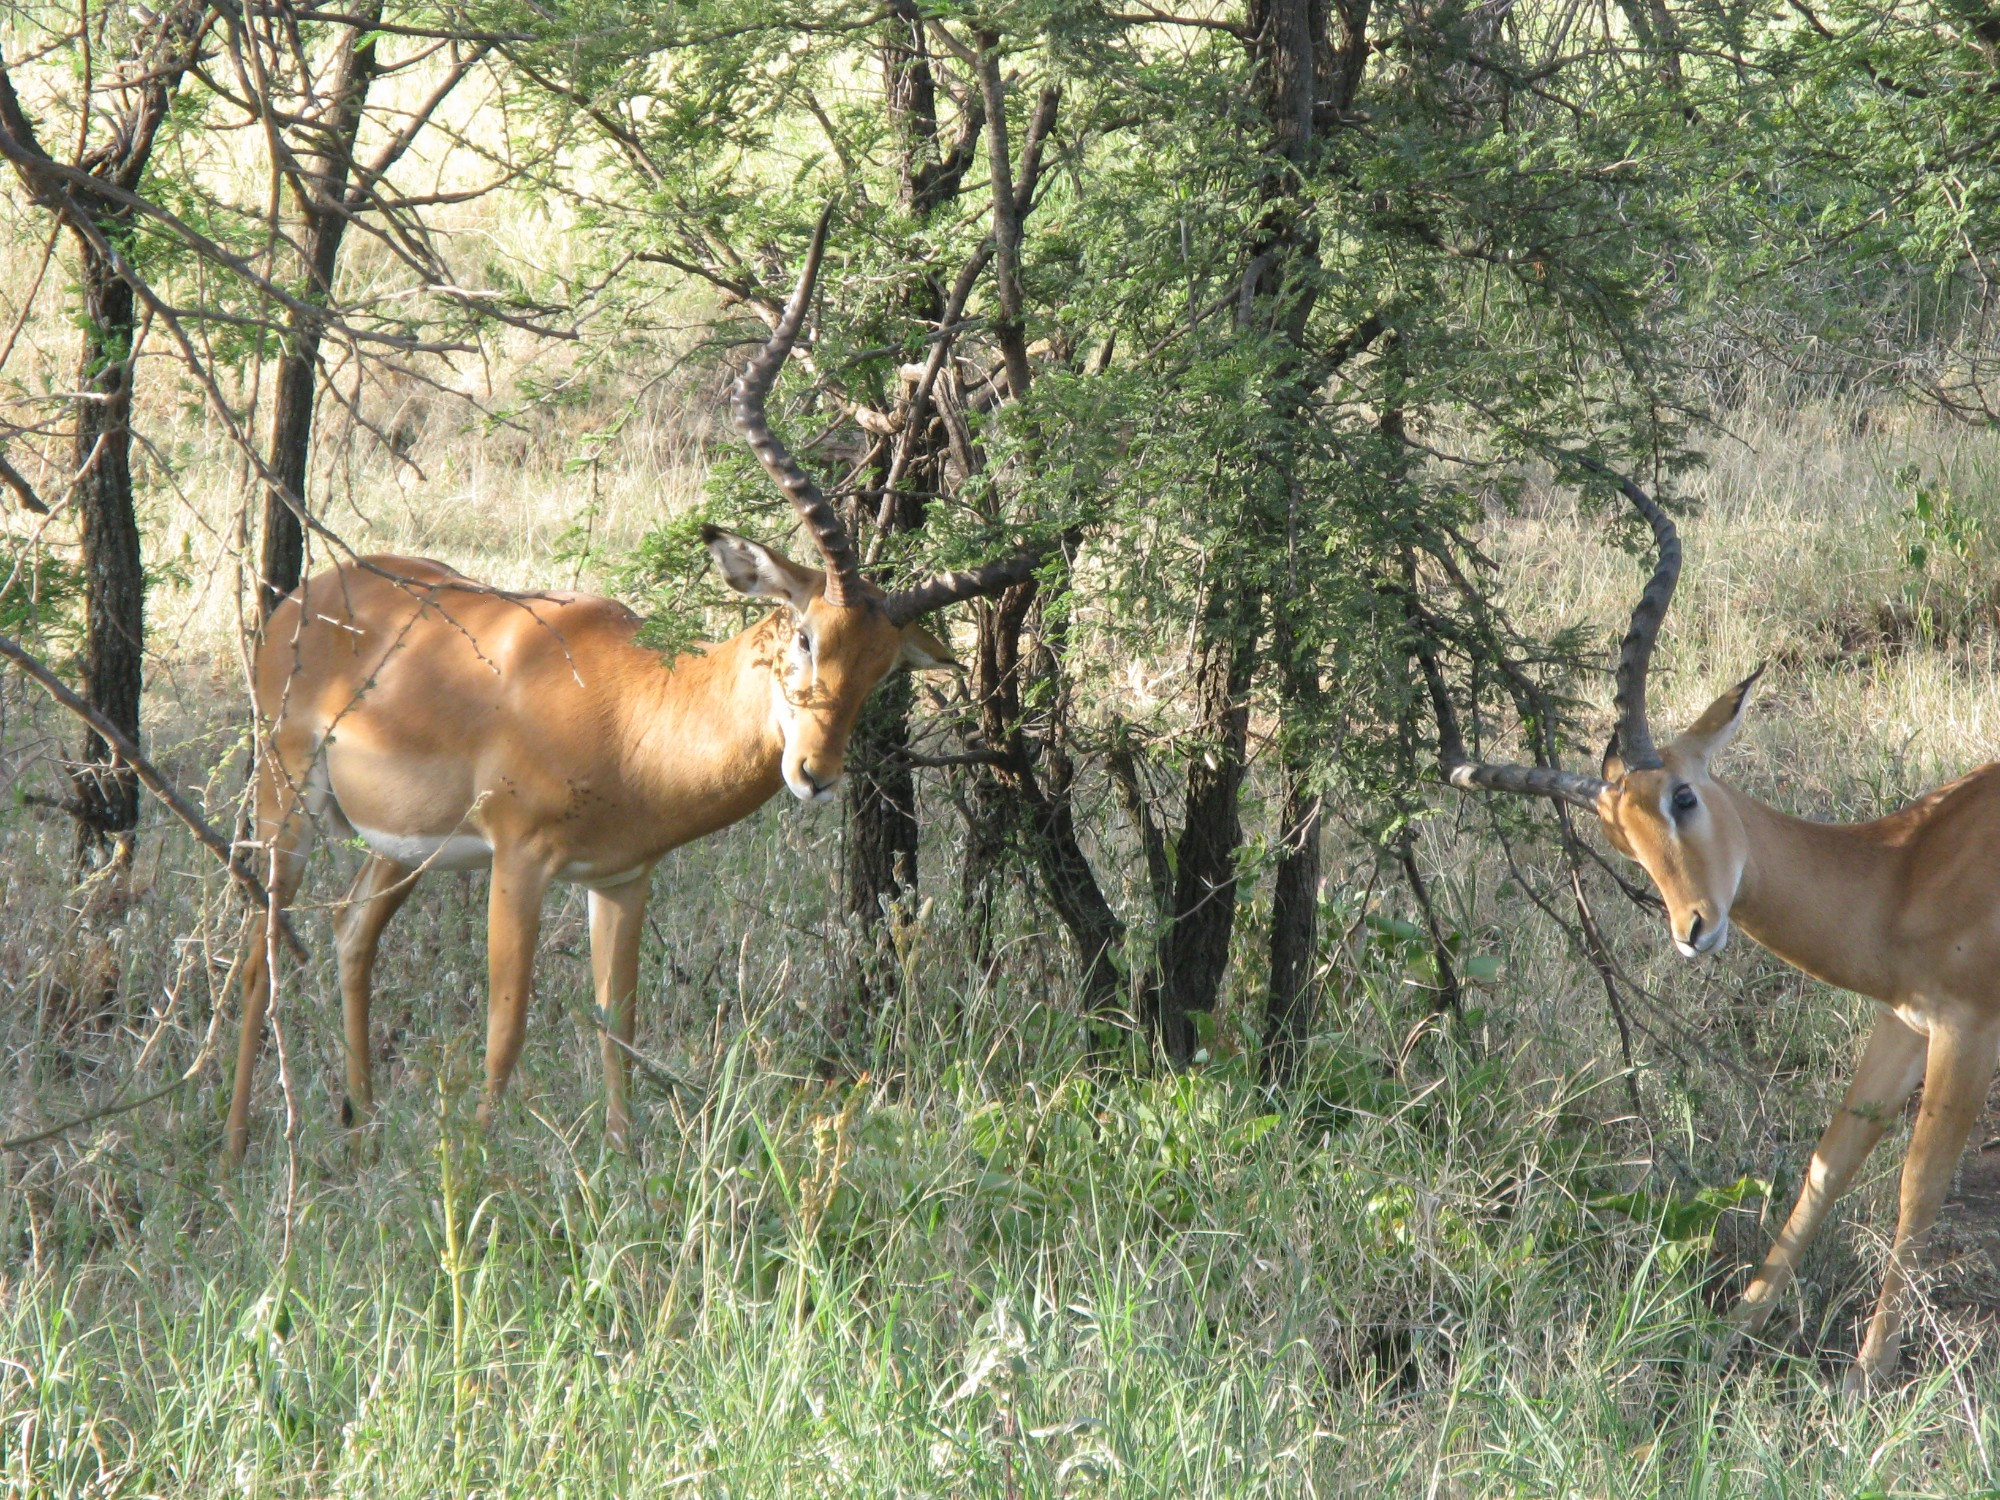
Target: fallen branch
[[150, 777]]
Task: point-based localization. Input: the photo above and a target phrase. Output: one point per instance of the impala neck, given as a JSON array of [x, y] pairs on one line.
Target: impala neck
[[1820, 896], [703, 733]]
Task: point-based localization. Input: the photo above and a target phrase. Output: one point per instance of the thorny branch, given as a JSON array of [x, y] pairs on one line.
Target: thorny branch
[[150, 777]]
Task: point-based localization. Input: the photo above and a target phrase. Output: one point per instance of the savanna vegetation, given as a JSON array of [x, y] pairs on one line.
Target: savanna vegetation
[[1149, 1077]]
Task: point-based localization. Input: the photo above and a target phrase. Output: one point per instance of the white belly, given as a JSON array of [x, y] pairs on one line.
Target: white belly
[[597, 877], [451, 851]]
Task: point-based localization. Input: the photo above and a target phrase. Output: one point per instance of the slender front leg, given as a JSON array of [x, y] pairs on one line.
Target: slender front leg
[[1955, 1079], [617, 917], [513, 921], [1890, 1067], [378, 893]]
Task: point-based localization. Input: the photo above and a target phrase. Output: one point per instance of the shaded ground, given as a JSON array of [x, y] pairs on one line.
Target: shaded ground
[[1968, 1237]]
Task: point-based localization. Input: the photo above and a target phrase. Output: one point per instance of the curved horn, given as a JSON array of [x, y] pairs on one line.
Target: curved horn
[[905, 605], [843, 572], [1635, 655], [1538, 781]]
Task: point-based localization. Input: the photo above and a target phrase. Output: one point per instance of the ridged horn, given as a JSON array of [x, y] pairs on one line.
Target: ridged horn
[[1633, 736], [1635, 653], [907, 604], [1467, 774], [836, 547], [1537, 781]]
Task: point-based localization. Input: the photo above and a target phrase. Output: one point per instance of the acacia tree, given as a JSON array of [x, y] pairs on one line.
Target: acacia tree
[[1381, 231], [930, 153], [1853, 238], [313, 107], [173, 253], [134, 62], [921, 338], [1189, 330]]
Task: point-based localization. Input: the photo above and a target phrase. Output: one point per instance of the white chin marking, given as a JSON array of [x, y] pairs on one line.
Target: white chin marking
[[809, 794], [1715, 942]]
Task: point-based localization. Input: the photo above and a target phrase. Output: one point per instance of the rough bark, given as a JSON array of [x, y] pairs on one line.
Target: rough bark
[[105, 794], [882, 827], [882, 811], [1122, 763], [1291, 999], [1196, 952], [1288, 41], [1015, 805], [1292, 1002], [104, 791]]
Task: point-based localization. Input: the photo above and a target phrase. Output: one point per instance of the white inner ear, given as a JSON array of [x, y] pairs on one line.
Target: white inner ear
[[1727, 732], [918, 657], [755, 570]]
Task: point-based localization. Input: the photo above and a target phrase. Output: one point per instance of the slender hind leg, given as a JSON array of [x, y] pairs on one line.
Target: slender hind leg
[[284, 829], [378, 893]]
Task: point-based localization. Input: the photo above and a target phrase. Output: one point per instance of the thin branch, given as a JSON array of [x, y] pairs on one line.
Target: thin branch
[[150, 776], [17, 482]]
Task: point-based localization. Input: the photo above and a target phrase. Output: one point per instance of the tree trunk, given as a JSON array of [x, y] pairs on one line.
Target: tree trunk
[[882, 802], [105, 792], [1291, 1000], [882, 827], [1018, 805], [1196, 952], [324, 210], [1287, 43]]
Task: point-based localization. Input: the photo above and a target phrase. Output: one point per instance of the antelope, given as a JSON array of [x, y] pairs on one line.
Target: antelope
[[1904, 910], [450, 726]]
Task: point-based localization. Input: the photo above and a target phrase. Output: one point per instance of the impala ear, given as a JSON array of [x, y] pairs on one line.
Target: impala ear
[[1612, 767], [924, 652], [1710, 735], [751, 568]]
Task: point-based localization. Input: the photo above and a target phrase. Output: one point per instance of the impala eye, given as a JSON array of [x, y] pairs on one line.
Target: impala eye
[[805, 643], [1684, 801]]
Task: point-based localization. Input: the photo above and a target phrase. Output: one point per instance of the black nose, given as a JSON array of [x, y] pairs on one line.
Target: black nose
[[1694, 931]]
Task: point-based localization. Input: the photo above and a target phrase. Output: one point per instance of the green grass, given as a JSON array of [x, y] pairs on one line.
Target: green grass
[[978, 1270], [979, 1284], [965, 1264]]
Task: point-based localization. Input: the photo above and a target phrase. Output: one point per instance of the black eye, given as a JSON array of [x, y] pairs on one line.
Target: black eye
[[1684, 800], [805, 643]]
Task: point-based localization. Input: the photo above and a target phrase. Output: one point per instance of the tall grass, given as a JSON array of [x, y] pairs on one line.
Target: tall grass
[[969, 1265]]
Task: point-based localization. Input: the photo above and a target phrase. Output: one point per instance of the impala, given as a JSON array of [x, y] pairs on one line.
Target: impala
[[1904, 910], [454, 727]]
